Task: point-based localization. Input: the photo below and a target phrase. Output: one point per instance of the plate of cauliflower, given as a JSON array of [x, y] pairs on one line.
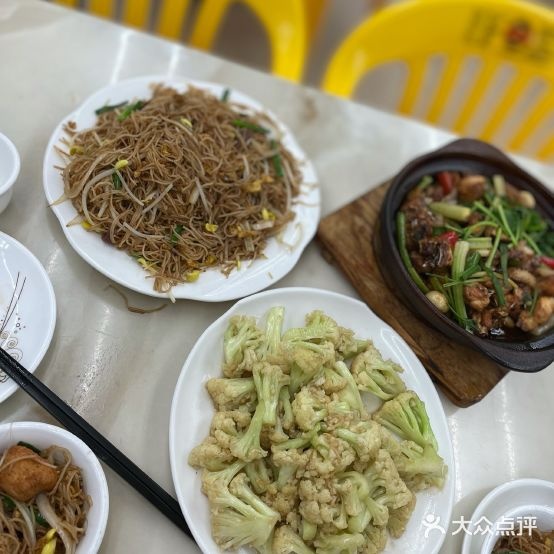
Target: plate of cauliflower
[[303, 424]]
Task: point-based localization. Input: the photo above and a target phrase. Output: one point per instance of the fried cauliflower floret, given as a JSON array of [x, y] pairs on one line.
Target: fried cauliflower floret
[[330, 454], [399, 517], [229, 394], [374, 375], [309, 407], [318, 500], [286, 541]]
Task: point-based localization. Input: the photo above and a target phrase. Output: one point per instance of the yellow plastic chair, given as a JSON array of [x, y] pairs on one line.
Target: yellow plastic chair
[[497, 32], [136, 13], [285, 22]]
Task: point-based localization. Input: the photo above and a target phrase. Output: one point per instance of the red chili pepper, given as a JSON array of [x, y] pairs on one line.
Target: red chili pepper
[[547, 261], [451, 237], [446, 181]]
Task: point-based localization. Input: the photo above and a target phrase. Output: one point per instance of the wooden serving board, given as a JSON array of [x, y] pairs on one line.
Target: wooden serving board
[[346, 236]]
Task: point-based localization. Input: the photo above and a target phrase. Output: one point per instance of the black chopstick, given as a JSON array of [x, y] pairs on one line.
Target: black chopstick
[[103, 448]]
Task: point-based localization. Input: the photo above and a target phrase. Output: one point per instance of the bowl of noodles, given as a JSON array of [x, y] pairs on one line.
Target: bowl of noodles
[[181, 188], [53, 492]]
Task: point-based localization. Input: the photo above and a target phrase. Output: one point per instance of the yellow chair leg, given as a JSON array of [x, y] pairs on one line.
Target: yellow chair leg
[[508, 101], [103, 8], [172, 17], [446, 85], [209, 17], [415, 79], [486, 73], [137, 13], [533, 119]]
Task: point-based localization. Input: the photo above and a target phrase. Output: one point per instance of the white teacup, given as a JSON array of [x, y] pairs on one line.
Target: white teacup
[[9, 170]]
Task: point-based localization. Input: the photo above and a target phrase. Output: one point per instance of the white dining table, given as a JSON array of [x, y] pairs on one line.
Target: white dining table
[[119, 369]]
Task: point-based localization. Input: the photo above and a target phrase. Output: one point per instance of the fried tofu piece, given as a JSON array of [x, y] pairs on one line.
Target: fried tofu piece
[[24, 479]]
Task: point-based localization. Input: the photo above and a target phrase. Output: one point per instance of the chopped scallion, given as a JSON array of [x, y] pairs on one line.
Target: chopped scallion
[[504, 262], [130, 109], [497, 286], [277, 162], [107, 108], [425, 182], [116, 181], [458, 266], [451, 211], [242, 124], [402, 249], [176, 234]]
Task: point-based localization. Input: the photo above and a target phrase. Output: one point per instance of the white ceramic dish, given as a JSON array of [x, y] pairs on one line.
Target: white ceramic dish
[[25, 331], [192, 410], [43, 435], [9, 170], [212, 286], [503, 506]]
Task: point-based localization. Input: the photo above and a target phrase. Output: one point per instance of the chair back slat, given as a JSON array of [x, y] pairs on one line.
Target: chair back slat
[[500, 33]]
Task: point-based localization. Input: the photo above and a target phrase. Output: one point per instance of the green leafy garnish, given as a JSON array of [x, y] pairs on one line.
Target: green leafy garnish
[[9, 504], [403, 251], [39, 518], [116, 181], [277, 162], [425, 182], [472, 266], [534, 301], [497, 287], [107, 108], [130, 109], [243, 124], [504, 262], [459, 259], [176, 234]]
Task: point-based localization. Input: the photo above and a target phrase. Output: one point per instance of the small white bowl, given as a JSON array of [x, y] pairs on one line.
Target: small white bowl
[[9, 170], [43, 435], [506, 503]]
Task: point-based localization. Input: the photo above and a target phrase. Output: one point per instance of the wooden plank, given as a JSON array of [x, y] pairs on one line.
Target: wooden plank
[[346, 236]]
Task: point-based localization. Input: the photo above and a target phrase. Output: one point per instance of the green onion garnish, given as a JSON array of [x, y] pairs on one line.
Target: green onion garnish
[[277, 162], [39, 518], [116, 180], [176, 234], [425, 182], [9, 504], [242, 124], [451, 211], [504, 262], [130, 109], [225, 95], [497, 287], [458, 265], [534, 301], [107, 108], [490, 259], [403, 251]]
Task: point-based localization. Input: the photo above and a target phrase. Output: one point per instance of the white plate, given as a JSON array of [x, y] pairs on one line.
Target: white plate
[[43, 435], [27, 309], [191, 411], [504, 505], [212, 286]]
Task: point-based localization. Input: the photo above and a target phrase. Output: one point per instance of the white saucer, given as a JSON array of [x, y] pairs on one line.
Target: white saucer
[[27, 309]]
